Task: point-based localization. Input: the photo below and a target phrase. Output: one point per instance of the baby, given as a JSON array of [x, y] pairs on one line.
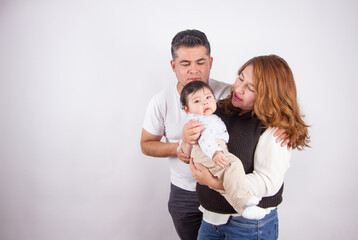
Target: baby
[[198, 101]]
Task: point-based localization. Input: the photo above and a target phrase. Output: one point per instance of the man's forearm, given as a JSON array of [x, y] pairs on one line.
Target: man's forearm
[[159, 149]]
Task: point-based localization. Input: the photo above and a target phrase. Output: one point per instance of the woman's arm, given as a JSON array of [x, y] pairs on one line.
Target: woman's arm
[[271, 162]]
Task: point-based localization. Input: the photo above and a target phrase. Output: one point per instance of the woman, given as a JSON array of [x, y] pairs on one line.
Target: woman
[[263, 99]]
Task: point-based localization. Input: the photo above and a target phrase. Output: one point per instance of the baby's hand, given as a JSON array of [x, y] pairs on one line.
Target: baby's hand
[[219, 159]]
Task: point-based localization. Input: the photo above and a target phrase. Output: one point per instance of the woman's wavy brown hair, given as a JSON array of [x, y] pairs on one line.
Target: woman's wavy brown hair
[[276, 98]]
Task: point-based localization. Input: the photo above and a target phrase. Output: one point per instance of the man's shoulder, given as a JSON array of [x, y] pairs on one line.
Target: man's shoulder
[[165, 94], [221, 89], [215, 83]]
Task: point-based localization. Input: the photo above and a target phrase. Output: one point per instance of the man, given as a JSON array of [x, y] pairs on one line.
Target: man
[[191, 61]]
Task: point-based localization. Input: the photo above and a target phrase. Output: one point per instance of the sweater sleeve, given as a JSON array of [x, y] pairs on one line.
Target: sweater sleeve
[[271, 161]]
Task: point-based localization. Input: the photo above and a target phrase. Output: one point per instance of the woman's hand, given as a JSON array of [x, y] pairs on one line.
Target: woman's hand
[[191, 132], [204, 177]]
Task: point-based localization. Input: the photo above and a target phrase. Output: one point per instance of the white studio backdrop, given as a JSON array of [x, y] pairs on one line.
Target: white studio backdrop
[[75, 80]]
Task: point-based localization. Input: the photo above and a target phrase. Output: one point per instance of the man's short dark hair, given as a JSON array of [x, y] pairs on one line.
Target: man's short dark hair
[[192, 87], [189, 38]]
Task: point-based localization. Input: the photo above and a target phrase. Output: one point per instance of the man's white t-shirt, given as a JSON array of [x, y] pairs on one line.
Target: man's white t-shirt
[[165, 117]]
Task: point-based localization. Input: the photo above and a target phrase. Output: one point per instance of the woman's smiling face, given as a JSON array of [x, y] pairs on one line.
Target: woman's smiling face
[[244, 96]]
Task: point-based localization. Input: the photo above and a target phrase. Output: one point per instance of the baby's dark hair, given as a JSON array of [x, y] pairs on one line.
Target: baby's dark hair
[[192, 87]]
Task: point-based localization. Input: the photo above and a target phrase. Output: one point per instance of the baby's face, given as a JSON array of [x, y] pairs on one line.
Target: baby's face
[[202, 102]]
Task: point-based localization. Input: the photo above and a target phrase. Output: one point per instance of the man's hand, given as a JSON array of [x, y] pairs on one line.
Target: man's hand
[[282, 136], [219, 159], [183, 157], [191, 132]]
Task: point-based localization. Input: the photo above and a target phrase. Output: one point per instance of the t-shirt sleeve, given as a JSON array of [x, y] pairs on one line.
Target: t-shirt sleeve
[[221, 89], [271, 162], [154, 117]]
